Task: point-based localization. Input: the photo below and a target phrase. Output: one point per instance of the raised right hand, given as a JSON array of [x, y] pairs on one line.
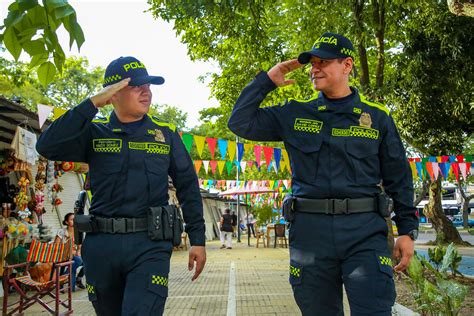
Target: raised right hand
[[278, 72], [103, 97]]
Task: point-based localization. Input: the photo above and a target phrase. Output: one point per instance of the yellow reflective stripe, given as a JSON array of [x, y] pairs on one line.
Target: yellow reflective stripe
[[302, 100], [159, 280], [294, 271], [379, 106], [159, 123], [151, 148], [101, 120]]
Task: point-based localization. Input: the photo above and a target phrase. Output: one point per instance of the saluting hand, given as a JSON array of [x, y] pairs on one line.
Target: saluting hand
[[404, 248], [197, 254], [278, 72], [104, 96]]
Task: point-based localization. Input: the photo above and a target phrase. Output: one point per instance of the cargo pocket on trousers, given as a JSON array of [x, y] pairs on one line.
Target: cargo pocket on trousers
[[158, 292], [386, 294], [296, 273], [91, 291]]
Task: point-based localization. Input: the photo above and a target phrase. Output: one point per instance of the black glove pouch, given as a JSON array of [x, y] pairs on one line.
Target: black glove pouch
[[383, 202], [288, 209], [165, 223], [85, 223]]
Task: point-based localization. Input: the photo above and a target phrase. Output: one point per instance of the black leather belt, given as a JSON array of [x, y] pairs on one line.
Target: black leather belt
[[335, 206], [121, 225]]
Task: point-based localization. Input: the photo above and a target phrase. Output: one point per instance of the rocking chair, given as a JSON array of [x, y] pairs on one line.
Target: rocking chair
[[58, 255]]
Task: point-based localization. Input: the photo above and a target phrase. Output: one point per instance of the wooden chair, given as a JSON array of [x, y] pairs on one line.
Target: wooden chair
[[58, 255], [260, 237], [280, 236]]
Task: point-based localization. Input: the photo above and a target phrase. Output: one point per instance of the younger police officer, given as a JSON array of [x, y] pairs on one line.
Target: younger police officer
[[341, 147], [130, 156]]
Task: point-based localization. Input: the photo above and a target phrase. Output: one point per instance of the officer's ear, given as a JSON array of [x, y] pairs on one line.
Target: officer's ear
[[348, 65]]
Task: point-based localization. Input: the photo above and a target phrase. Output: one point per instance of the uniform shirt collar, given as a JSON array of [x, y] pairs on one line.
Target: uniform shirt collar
[[120, 127], [341, 105]]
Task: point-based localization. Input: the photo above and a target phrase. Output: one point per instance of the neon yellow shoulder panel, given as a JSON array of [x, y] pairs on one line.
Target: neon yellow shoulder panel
[[101, 120], [314, 97], [160, 123], [377, 105]]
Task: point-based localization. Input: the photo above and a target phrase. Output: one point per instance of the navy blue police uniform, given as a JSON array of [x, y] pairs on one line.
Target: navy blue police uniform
[[129, 165], [340, 152]]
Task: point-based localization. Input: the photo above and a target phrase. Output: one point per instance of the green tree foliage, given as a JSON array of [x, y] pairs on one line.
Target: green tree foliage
[[31, 27], [434, 86], [170, 114], [77, 82]]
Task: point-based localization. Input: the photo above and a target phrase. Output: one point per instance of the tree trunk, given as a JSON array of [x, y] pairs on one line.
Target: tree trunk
[[445, 230], [379, 21], [465, 205], [359, 33]]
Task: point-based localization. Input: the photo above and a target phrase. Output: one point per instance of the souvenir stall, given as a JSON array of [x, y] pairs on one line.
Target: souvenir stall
[[35, 193]]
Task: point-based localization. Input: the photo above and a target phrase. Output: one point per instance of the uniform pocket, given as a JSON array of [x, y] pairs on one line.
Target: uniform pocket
[[306, 152], [386, 294], [157, 294], [157, 173], [365, 161], [91, 290], [296, 273], [104, 174]]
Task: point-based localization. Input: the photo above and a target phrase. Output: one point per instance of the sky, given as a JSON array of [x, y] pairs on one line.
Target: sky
[[114, 28]]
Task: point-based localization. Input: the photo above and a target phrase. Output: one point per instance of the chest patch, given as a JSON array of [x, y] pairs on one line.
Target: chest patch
[[150, 148], [307, 125], [107, 145]]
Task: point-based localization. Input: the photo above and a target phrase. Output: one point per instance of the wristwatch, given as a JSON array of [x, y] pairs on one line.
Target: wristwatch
[[413, 234]]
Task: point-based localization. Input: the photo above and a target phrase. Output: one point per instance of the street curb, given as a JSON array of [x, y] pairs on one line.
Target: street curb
[[400, 310]]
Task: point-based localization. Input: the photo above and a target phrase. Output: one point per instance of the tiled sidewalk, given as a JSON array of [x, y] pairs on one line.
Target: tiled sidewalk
[[257, 279]]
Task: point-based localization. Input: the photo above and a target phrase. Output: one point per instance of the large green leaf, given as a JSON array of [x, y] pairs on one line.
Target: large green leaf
[[37, 16], [26, 4], [34, 47], [53, 4], [46, 73], [11, 43], [64, 11], [38, 59]]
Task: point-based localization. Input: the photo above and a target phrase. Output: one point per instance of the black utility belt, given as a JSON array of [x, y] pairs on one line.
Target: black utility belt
[[335, 206], [161, 223]]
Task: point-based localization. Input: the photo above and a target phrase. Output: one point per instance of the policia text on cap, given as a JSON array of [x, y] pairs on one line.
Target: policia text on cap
[[131, 229], [341, 147]]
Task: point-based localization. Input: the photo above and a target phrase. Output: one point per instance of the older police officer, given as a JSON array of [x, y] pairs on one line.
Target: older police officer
[[341, 147], [130, 155]]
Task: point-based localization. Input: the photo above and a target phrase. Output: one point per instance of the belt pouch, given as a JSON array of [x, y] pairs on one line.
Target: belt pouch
[[85, 223], [177, 225], [155, 223]]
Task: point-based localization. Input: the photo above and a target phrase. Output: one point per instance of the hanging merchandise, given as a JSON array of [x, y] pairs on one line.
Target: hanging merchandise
[[23, 145]]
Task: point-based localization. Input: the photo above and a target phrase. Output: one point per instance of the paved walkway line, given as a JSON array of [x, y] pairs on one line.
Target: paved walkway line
[[231, 304]]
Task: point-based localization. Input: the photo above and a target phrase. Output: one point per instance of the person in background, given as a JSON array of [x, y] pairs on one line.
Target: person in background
[[251, 224], [234, 224], [63, 235], [226, 229]]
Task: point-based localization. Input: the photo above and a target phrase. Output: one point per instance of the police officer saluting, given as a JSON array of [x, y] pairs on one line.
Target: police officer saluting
[[341, 147], [132, 229]]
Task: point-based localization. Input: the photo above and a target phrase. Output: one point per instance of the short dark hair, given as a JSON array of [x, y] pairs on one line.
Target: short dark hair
[[66, 218], [227, 210]]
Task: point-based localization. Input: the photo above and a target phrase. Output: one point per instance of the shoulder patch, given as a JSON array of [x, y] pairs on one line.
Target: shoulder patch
[[374, 104], [157, 121], [101, 119], [314, 97]]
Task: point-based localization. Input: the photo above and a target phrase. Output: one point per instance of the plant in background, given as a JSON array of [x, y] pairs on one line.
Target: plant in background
[[434, 290], [263, 214], [438, 254]]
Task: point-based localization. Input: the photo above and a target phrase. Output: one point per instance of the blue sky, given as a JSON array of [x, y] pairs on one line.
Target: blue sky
[[121, 28]]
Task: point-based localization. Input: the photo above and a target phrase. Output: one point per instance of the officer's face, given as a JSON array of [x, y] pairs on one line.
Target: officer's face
[[133, 101], [329, 74]]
